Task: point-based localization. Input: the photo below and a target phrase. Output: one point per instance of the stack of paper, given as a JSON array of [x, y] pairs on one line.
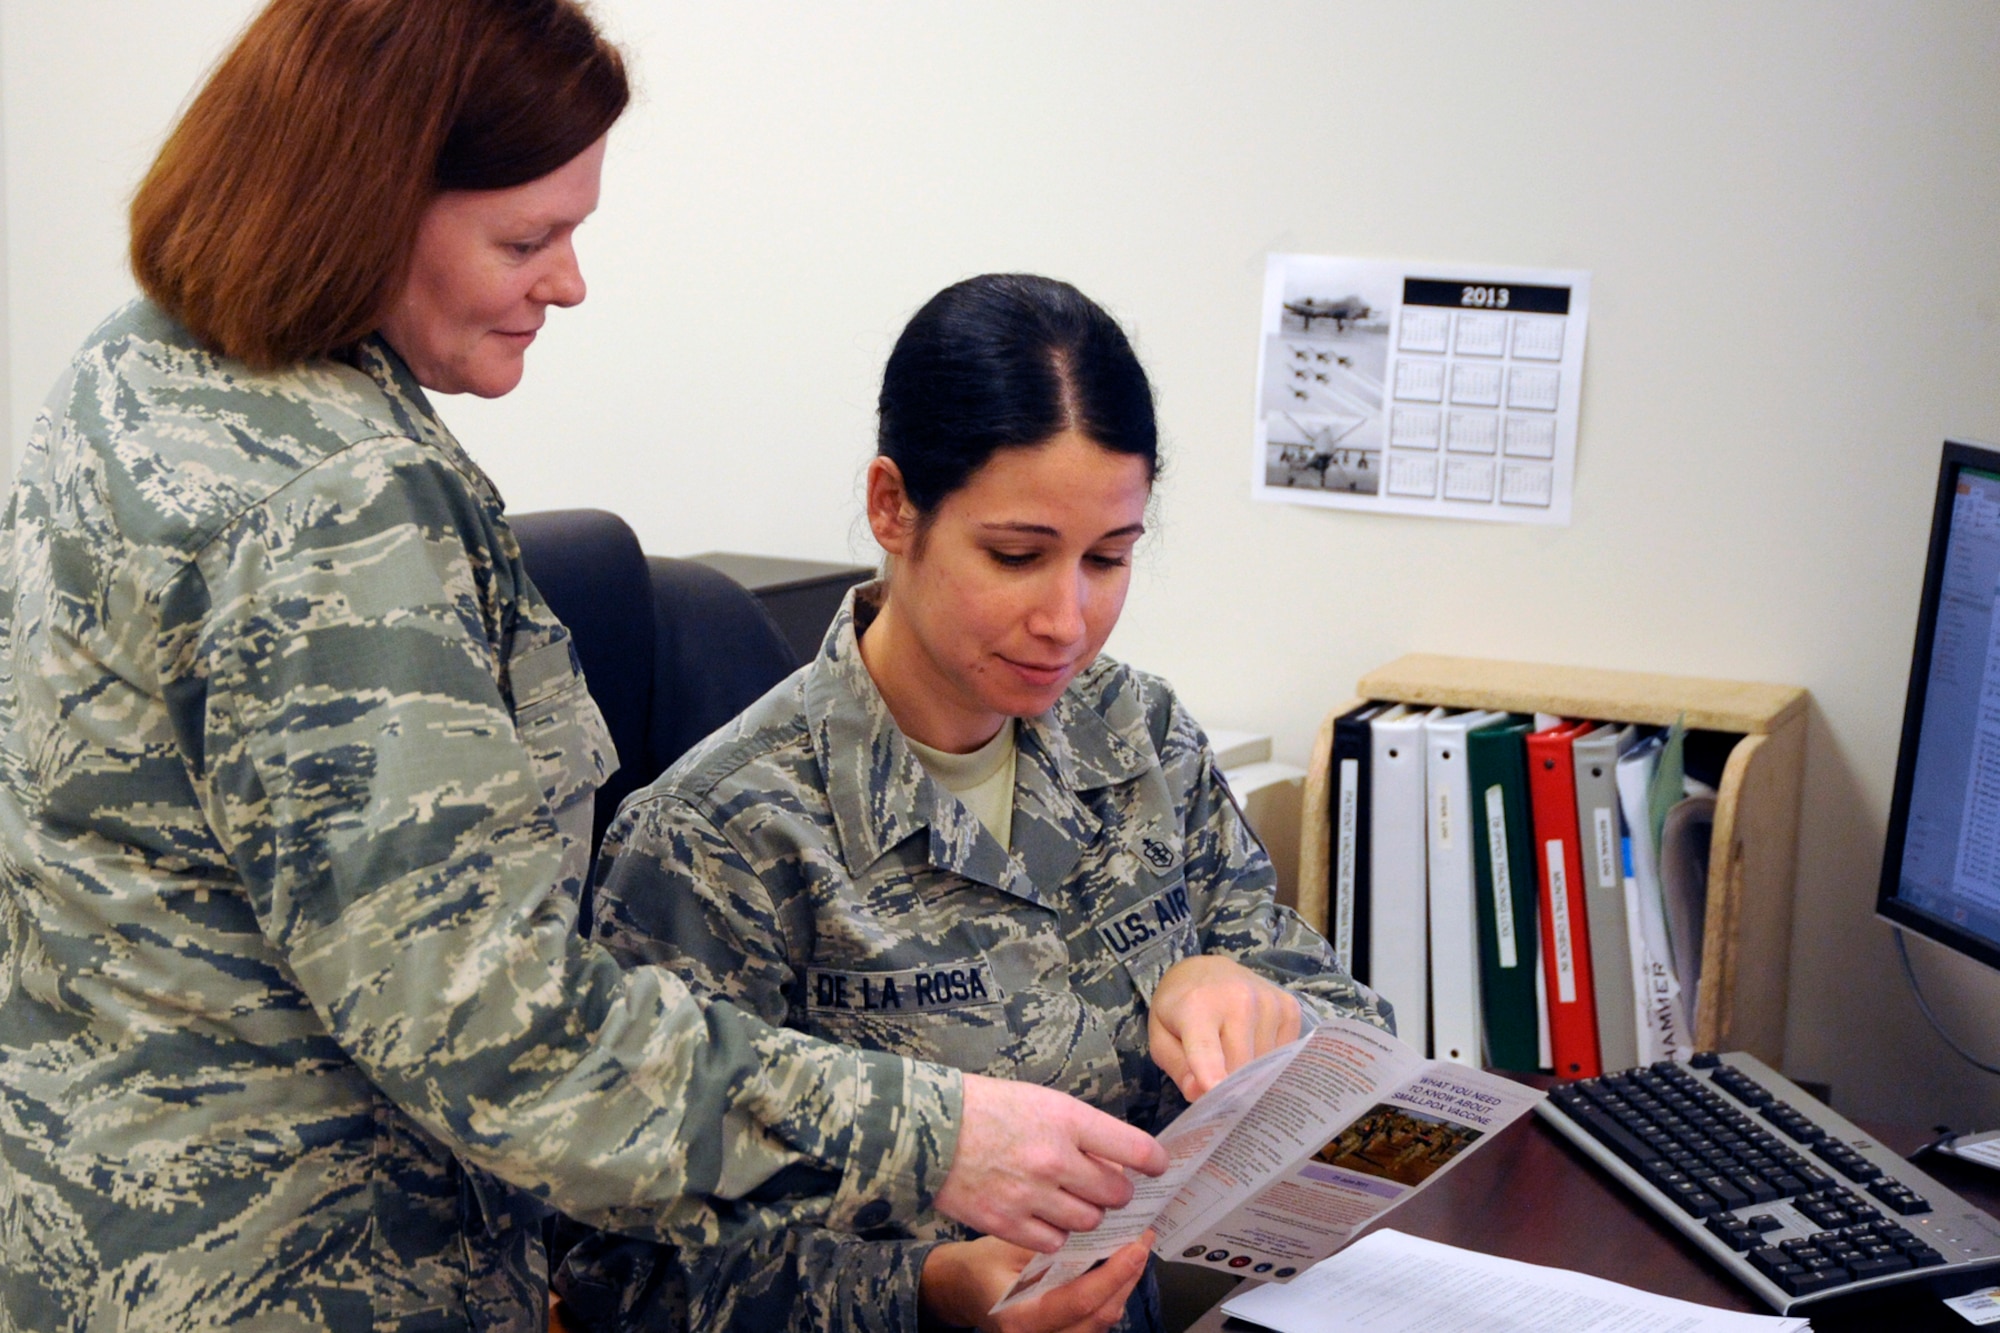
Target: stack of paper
[[1392, 1283]]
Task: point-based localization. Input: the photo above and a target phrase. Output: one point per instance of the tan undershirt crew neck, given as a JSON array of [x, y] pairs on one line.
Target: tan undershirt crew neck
[[983, 780]]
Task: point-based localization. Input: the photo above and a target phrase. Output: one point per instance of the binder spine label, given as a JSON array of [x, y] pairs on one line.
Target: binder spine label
[[1607, 847], [1559, 923], [1442, 813], [1343, 898], [1503, 886]]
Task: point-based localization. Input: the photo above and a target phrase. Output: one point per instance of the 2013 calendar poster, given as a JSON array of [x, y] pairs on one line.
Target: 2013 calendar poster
[[1448, 390]]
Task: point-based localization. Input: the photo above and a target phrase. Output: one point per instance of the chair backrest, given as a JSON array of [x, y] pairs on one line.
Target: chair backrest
[[671, 649]]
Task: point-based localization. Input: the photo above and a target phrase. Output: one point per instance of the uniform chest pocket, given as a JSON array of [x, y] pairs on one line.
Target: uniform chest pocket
[[1150, 936], [559, 722]]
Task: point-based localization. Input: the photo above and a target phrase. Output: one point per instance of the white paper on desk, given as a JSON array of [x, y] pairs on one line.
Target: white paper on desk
[[1977, 1307], [1983, 1149], [1392, 1283]]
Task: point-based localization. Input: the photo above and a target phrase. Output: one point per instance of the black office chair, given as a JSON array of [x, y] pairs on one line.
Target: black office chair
[[671, 649]]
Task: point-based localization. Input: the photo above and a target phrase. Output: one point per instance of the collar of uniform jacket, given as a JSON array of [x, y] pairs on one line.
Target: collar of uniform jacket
[[881, 794], [413, 413]]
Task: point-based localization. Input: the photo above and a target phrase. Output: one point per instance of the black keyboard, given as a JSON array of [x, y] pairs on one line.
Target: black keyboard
[[1792, 1199]]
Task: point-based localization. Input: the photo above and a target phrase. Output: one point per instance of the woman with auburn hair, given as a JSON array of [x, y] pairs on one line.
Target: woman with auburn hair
[[960, 834], [296, 766]]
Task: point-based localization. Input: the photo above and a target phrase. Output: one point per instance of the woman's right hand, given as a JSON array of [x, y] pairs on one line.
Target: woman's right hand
[[962, 1281], [1033, 1164]]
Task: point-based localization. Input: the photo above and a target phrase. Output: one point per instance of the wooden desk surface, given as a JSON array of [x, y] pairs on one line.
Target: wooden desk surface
[[1529, 1195]]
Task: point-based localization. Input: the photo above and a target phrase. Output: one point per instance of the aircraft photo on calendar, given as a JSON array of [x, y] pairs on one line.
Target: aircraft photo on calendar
[[1442, 389]]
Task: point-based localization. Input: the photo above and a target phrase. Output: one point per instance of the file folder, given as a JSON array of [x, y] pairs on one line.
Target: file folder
[[1568, 966], [1399, 915], [1504, 876], [1596, 762], [1348, 896], [1450, 831]]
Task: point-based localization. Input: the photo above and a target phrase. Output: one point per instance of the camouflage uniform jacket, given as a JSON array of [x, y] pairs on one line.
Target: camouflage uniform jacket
[[289, 984], [802, 864]]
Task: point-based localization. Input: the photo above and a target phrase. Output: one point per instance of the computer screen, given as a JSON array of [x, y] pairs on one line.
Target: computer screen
[[1941, 866]]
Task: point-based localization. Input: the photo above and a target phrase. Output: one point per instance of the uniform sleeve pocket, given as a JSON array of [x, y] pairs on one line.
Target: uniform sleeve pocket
[[559, 723], [540, 674]]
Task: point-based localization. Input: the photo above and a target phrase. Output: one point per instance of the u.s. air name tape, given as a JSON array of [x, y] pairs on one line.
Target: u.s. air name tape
[[915, 990], [1134, 929]]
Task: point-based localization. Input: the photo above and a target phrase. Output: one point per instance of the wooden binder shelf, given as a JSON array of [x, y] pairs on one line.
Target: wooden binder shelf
[[1746, 943]]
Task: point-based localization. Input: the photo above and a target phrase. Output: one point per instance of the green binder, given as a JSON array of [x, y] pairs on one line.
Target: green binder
[[1504, 876]]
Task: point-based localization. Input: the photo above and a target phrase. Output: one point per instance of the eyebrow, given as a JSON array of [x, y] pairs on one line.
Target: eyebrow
[[1044, 530]]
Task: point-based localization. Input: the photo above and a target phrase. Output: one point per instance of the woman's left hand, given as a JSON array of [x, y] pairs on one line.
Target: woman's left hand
[[962, 1280], [1211, 1015]]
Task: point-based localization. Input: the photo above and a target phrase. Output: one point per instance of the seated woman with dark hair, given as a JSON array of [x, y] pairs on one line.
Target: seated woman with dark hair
[[962, 835]]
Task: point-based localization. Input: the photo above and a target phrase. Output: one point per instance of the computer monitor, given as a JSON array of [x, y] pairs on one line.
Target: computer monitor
[[1941, 867]]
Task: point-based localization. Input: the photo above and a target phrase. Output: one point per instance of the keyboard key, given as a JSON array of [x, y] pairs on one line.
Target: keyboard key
[[1736, 1235], [1769, 1259], [1752, 1185], [1923, 1256], [1848, 1162], [1792, 1122], [1812, 1280], [1742, 1086], [1698, 1202], [1875, 1267], [1721, 1187], [1615, 1137], [1900, 1197]]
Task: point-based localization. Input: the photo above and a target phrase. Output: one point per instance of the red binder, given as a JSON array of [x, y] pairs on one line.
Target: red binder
[[1565, 930]]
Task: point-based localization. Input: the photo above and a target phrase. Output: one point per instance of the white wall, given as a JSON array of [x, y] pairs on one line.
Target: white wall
[[1789, 210]]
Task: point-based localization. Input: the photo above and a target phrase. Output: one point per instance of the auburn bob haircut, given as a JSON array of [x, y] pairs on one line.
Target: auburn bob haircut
[[278, 221]]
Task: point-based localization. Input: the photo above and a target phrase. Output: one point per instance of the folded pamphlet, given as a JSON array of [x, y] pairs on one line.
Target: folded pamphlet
[[1281, 1163]]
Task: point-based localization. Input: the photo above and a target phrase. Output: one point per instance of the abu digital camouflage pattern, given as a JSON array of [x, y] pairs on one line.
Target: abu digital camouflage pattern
[[801, 864], [288, 980]]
